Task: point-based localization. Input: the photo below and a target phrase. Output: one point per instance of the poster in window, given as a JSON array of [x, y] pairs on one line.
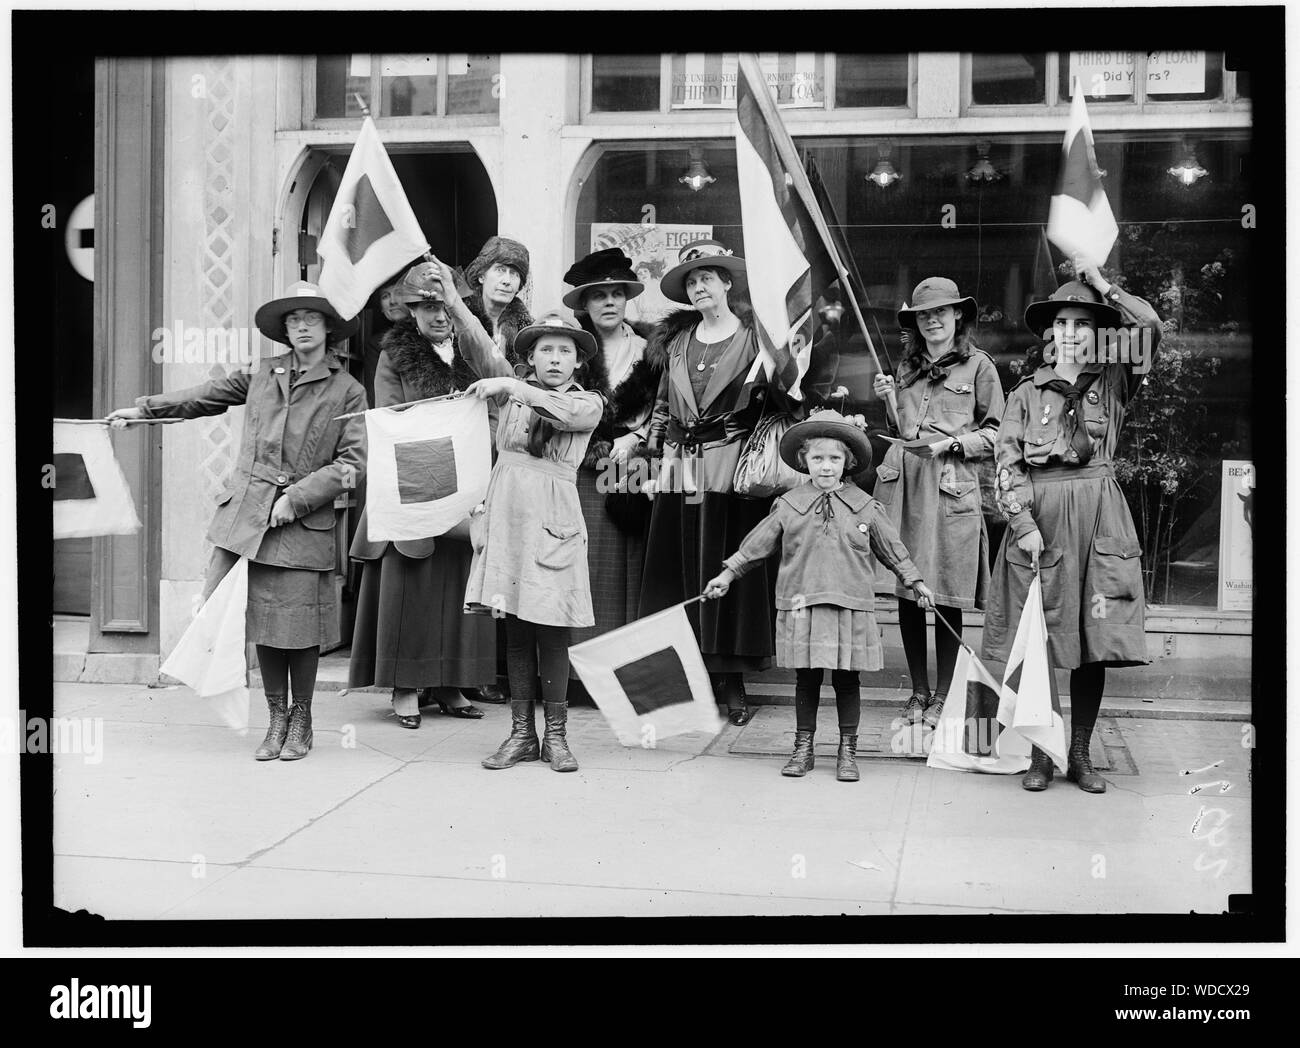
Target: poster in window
[[653, 249], [1236, 536], [1176, 73], [708, 81], [1103, 74]]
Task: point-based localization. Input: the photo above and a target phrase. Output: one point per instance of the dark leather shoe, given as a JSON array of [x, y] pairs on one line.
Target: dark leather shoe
[[471, 712], [490, 694], [1040, 772], [915, 708], [933, 711], [408, 722], [801, 760], [846, 762], [741, 716], [1079, 769]]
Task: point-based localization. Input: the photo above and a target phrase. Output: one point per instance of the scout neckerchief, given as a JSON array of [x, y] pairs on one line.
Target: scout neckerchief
[[931, 370], [1073, 393]]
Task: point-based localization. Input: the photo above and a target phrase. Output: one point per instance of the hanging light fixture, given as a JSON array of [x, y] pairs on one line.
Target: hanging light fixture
[[697, 174], [884, 174], [983, 171], [1188, 171]]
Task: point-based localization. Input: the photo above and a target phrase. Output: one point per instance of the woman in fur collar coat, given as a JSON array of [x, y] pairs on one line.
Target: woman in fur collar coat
[[603, 285], [495, 279], [411, 633], [710, 397]]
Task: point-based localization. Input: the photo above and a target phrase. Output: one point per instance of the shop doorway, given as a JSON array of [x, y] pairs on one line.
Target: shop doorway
[[453, 200]]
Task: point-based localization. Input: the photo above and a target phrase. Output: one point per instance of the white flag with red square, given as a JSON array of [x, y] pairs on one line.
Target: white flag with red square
[[91, 496]]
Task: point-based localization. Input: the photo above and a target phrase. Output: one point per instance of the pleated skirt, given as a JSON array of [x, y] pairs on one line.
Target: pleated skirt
[[828, 637]]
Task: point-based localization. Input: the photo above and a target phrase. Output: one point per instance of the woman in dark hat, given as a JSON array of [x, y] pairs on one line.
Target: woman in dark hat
[[950, 402], [496, 277], [530, 542], [295, 458], [603, 284], [411, 633], [710, 397], [1068, 521], [827, 530], [390, 309]]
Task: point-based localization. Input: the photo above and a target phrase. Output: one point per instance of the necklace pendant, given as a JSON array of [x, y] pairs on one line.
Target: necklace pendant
[[700, 366]]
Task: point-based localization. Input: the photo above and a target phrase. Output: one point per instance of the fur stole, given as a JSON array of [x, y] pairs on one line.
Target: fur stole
[[420, 368], [514, 318]]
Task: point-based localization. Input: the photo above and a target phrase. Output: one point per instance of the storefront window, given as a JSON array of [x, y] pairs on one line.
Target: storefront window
[[975, 210], [870, 80], [624, 83], [405, 85], [1004, 80]]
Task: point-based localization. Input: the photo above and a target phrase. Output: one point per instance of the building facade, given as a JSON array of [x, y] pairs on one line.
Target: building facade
[[214, 175]]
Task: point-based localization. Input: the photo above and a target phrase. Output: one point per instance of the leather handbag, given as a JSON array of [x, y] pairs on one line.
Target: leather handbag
[[761, 472]]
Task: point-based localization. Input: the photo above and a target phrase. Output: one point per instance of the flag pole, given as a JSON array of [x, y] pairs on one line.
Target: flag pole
[[400, 407], [105, 422], [799, 180]]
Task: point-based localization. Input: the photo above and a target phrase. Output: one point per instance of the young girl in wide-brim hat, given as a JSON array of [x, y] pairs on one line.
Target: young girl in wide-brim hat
[[1068, 520], [830, 532], [296, 456], [949, 396]]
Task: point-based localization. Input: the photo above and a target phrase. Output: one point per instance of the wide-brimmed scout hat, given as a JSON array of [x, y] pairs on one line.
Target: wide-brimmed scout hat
[[498, 249], [608, 268], [695, 255], [931, 293], [1040, 316], [827, 423], [301, 295], [553, 322], [422, 283]]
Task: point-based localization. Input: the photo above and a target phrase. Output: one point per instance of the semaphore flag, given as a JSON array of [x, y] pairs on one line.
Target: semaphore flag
[[371, 231], [1080, 221], [91, 496], [788, 264], [968, 736], [648, 678], [1031, 707], [210, 656], [427, 466]]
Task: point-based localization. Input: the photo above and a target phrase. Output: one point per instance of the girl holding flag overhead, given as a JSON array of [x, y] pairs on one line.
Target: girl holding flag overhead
[[529, 539], [827, 530], [295, 458], [1068, 520]]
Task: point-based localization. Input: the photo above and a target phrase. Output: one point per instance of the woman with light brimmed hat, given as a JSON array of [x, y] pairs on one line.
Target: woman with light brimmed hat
[[411, 632], [949, 404], [296, 456], [711, 395], [529, 538], [1068, 520], [830, 533], [603, 285]]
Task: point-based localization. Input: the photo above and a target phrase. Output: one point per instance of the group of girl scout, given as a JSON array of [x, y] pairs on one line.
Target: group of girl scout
[[684, 393]]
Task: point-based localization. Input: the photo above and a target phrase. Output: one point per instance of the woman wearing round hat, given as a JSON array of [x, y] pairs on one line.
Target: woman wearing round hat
[[827, 530], [710, 397], [496, 277], [295, 458], [950, 402], [1068, 521], [529, 539], [603, 285], [411, 632]]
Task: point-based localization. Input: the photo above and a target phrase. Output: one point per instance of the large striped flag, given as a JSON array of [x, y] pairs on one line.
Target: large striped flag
[[371, 231], [91, 496], [1080, 221], [787, 260], [648, 678], [1030, 706]]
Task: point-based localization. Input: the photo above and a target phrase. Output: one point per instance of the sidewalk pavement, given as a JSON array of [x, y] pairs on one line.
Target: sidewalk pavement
[[177, 821]]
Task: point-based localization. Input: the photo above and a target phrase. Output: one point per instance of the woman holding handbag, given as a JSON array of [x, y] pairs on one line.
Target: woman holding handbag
[[711, 394], [949, 404]]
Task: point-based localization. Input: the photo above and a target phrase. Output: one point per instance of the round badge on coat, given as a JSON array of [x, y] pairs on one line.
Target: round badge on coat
[[862, 528]]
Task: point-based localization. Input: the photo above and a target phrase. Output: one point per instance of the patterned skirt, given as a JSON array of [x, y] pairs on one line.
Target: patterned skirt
[[825, 636]]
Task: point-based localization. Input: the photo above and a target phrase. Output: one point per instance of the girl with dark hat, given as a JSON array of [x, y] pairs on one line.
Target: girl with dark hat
[[827, 529], [710, 397], [949, 402], [411, 632], [530, 542], [295, 458], [603, 285], [496, 277], [1068, 521]]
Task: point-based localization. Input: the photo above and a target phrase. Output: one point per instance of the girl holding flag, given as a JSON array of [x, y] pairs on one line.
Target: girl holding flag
[[295, 458], [529, 539], [1068, 521], [827, 530]]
